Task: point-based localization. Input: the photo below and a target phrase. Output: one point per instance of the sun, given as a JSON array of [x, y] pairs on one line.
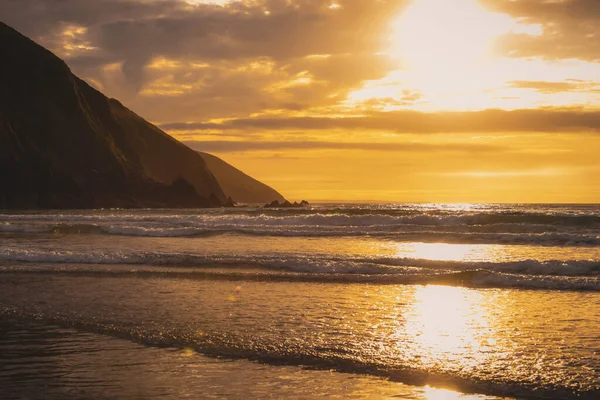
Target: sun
[[446, 44], [438, 33], [446, 59], [445, 49]]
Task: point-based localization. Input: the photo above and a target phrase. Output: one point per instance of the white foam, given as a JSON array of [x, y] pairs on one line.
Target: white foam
[[533, 269], [323, 218], [153, 232], [19, 228], [452, 234]]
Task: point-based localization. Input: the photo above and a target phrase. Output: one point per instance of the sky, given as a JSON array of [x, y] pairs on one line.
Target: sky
[[355, 100]]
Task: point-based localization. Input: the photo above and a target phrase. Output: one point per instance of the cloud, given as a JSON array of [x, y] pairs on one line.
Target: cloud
[[225, 146], [335, 50], [506, 174], [139, 30], [529, 120], [570, 28], [571, 85], [172, 61]]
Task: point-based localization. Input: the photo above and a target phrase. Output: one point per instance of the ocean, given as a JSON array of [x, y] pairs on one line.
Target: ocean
[[362, 301]]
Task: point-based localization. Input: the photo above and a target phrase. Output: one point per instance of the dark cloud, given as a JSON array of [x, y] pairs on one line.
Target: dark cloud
[[534, 120], [39, 18], [225, 146], [138, 30], [132, 33]]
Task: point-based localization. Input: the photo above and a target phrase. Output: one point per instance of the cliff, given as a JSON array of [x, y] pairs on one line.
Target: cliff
[[241, 187], [64, 144]]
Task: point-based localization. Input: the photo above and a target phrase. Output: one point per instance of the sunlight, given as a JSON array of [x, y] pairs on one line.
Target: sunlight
[[442, 36], [431, 393], [74, 40], [449, 326], [446, 53], [446, 251], [445, 43]]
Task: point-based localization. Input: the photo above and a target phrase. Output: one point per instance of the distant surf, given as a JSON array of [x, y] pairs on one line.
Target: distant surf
[[555, 227]]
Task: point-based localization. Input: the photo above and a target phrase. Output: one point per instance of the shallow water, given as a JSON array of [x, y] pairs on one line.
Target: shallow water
[[365, 313], [43, 361]]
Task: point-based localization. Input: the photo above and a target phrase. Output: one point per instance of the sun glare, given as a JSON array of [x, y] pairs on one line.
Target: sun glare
[[438, 35], [431, 393], [449, 326], [446, 251], [446, 47]]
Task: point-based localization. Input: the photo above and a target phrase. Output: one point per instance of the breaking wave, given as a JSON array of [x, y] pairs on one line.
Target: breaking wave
[[527, 274], [491, 234], [332, 357]]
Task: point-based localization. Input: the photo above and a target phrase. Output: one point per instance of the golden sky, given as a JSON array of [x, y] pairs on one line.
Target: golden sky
[[361, 100]]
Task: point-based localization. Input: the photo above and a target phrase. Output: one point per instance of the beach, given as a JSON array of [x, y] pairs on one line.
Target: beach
[[334, 301]]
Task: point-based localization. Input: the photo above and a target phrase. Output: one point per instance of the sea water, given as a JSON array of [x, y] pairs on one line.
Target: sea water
[[418, 301]]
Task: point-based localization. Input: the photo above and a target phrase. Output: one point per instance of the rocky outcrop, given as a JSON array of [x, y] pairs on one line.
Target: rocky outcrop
[[287, 204]]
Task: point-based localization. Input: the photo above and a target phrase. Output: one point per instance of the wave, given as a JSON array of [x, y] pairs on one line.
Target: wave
[[398, 233], [332, 358], [346, 217], [17, 228], [476, 279], [111, 230], [163, 232], [541, 239], [527, 274]]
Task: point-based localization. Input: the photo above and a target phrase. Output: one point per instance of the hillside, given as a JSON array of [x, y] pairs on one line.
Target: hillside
[[64, 144], [238, 185]]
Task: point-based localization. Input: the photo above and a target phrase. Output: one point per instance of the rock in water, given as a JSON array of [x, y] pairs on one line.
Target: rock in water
[[64, 144], [287, 204]]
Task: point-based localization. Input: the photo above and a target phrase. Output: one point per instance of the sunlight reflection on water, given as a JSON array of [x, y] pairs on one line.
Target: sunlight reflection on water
[[448, 337], [449, 252], [449, 325], [430, 393]]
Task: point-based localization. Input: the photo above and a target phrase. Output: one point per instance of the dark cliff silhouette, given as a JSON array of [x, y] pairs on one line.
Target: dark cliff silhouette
[[63, 144], [239, 186]]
